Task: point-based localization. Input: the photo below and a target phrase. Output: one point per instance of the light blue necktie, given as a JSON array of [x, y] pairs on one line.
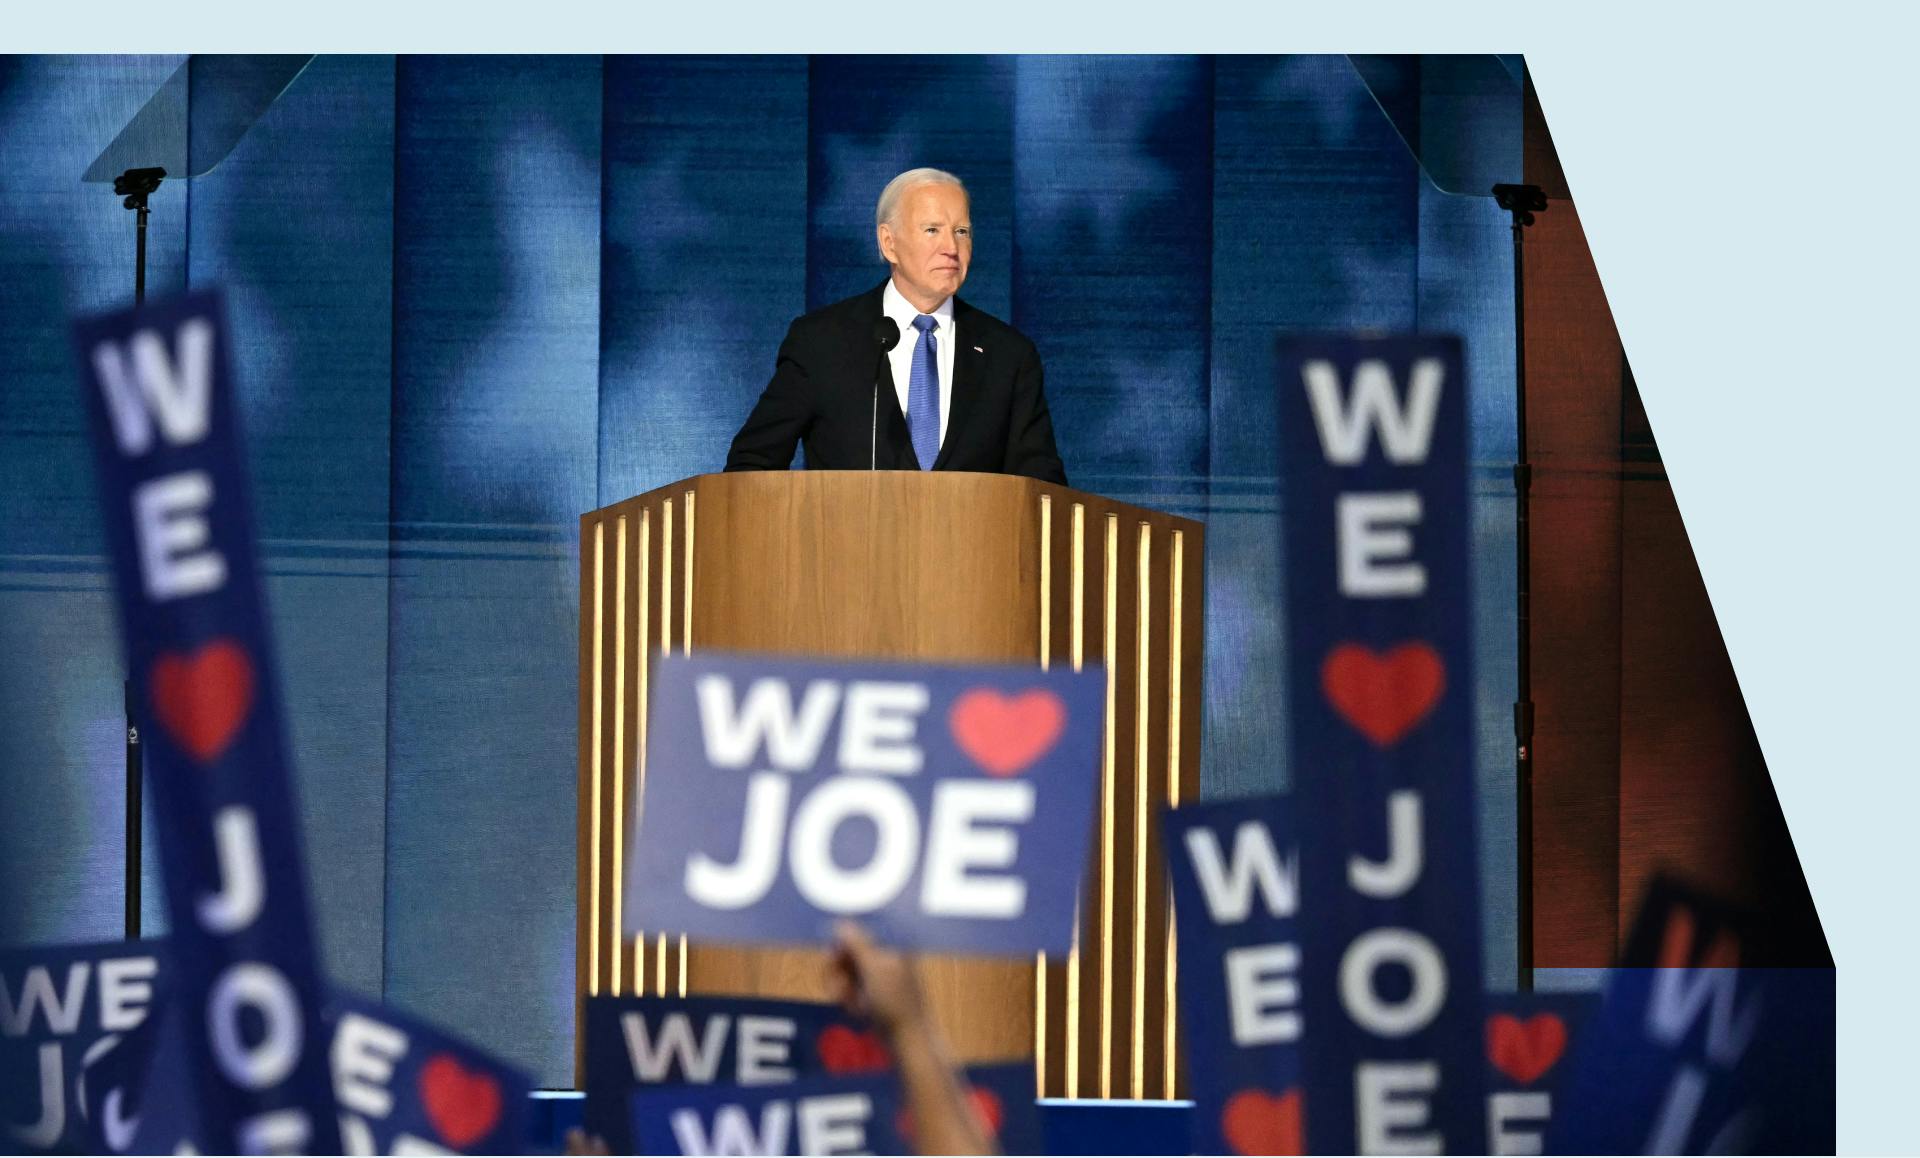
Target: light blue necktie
[[923, 393]]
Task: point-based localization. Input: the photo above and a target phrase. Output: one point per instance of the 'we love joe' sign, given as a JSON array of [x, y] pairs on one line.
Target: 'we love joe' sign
[[947, 807]]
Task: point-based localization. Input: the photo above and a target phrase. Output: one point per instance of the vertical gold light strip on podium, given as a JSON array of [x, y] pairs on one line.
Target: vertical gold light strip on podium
[[642, 671], [618, 826], [1046, 663], [1176, 603], [1143, 560], [1077, 572], [1109, 793], [686, 648], [593, 854]]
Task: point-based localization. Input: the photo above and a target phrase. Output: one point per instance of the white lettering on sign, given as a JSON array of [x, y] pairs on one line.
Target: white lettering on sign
[[971, 835], [274, 1132], [1681, 996], [1392, 1101], [733, 1131], [170, 526], [126, 989], [653, 1056], [877, 727], [1228, 882], [365, 1053], [1507, 1109], [834, 1124], [735, 886], [1375, 546], [154, 387], [1374, 405], [1398, 873], [263, 989], [1263, 992], [764, 1056], [867, 887], [764, 717], [44, 1131], [1362, 962], [964, 837], [62, 1014], [243, 879]]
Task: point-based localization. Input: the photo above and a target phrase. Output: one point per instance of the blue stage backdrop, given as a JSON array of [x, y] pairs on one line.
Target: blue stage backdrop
[[473, 298]]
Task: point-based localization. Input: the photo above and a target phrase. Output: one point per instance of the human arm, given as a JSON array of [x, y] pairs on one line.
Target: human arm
[[882, 986]]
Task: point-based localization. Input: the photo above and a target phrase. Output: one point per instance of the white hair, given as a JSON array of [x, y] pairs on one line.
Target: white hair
[[887, 212]]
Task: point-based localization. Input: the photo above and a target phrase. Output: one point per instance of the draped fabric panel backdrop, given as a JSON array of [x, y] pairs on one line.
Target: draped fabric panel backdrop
[[473, 298]]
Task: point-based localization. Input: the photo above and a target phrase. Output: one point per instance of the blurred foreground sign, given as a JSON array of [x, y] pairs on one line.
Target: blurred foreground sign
[[636, 1042], [839, 1115], [1236, 891], [62, 1009], [1374, 435], [1694, 1051], [160, 399], [404, 1088], [946, 807]]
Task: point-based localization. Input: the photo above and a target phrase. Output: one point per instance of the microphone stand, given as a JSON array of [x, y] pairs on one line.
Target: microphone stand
[[135, 185], [1522, 201], [886, 335]]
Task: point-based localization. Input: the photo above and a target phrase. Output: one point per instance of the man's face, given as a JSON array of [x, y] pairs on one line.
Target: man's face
[[929, 244]]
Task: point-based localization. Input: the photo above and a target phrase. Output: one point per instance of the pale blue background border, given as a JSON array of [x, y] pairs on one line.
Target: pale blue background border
[[1763, 307]]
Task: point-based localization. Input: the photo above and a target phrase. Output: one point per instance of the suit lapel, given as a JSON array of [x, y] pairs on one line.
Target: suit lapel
[[966, 382]]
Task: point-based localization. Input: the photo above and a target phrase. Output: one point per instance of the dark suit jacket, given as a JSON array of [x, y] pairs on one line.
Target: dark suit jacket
[[822, 395]]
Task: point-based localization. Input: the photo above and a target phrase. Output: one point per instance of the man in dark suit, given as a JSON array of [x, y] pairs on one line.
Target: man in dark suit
[[959, 390]]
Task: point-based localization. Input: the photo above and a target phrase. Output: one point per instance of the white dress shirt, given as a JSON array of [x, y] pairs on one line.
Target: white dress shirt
[[900, 358]]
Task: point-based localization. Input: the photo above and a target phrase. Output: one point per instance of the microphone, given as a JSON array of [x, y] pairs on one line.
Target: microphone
[[886, 335]]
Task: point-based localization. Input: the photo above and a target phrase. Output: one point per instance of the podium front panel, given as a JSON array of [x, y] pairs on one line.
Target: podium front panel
[[912, 565]]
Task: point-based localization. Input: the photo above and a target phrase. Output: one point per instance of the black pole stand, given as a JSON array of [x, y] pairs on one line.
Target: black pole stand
[[135, 185], [1522, 201]]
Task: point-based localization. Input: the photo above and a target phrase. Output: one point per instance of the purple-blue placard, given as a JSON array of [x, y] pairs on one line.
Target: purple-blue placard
[[63, 1011], [1374, 436], [403, 1087], [638, 1042], [160, 398], [1696, 1051], [946, 807], [831, 1115], [1236, 900], [1529, 1038]]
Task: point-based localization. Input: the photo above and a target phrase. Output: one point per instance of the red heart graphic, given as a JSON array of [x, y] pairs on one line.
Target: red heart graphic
[[1004, 734], [1383, 696], [844, 1050], [986, 1108], [462, 1104], [202, 699], [1523, 1050], [1257, 1122]]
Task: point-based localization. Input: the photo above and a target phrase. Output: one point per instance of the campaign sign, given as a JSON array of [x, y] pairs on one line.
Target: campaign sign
[[62, 1010], [1695, 1051], [637, 1042], [947, 807], [1374, 435], [1236, 900], [403, 1087], [1528, 1036], [832, 1115], [159, 395]]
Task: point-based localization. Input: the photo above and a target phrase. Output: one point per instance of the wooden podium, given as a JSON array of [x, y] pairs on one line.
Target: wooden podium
[[913, 565]]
